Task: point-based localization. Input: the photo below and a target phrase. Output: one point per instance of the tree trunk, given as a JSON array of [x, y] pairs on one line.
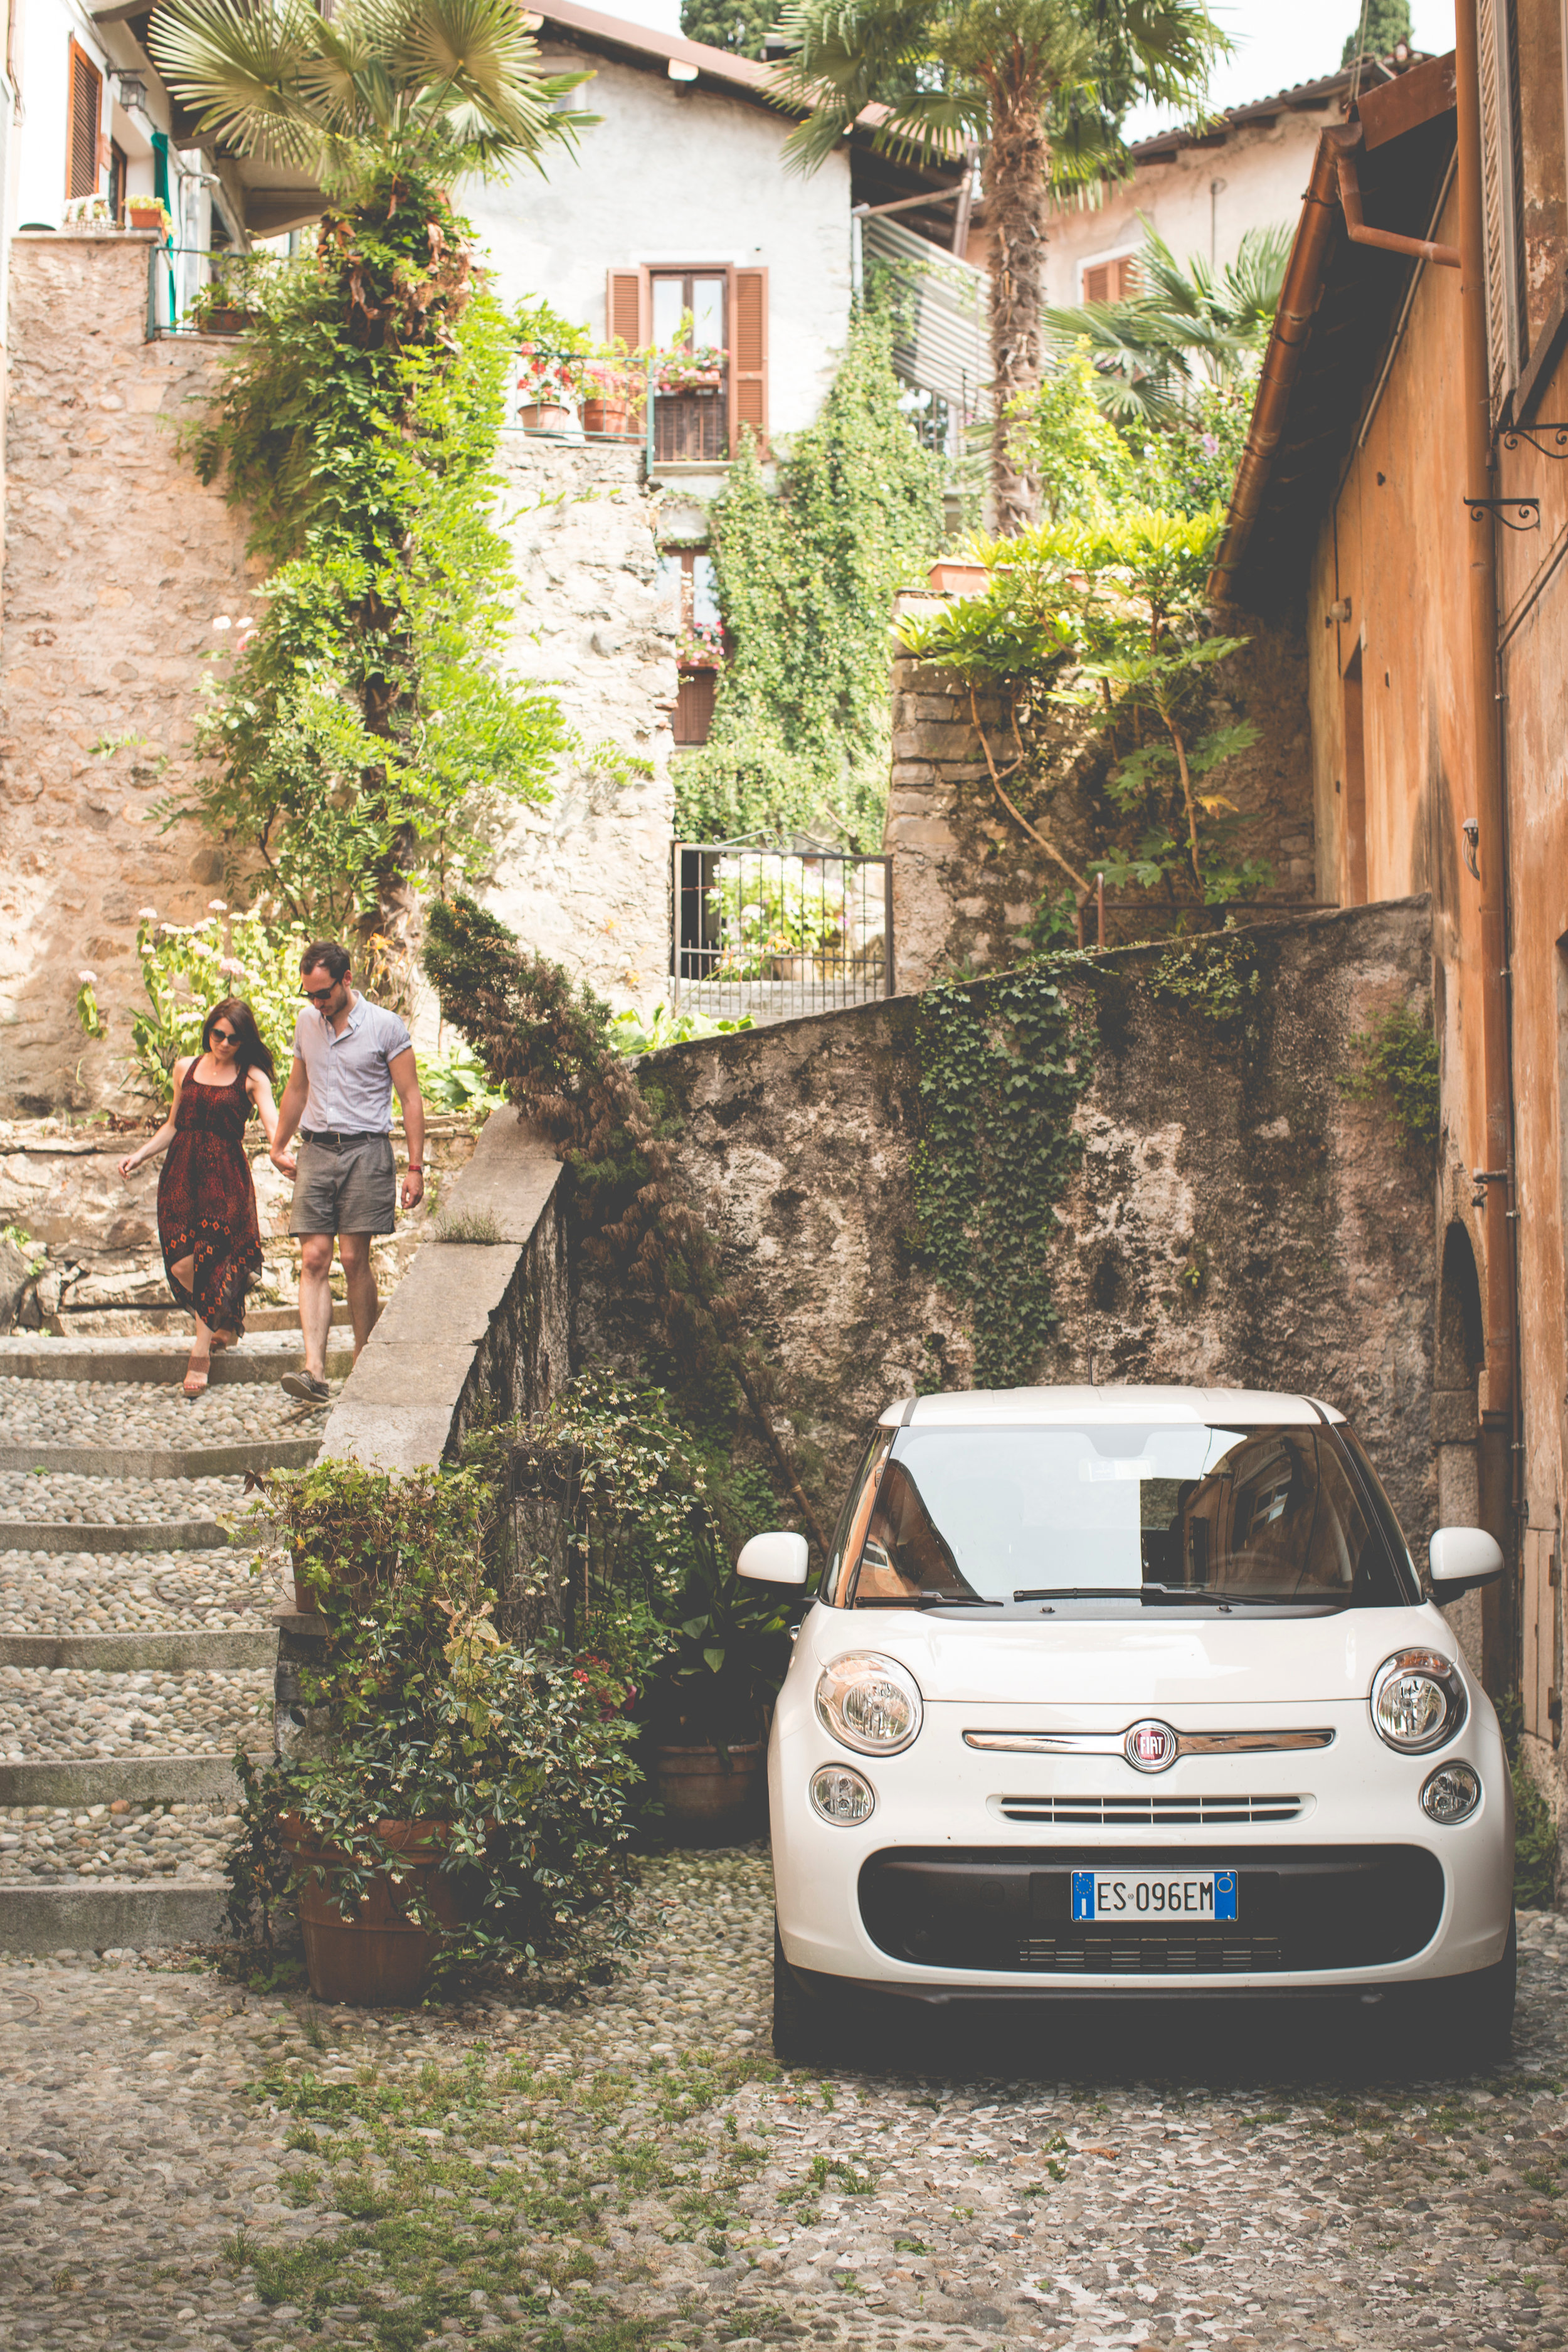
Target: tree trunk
[[1015, 208]]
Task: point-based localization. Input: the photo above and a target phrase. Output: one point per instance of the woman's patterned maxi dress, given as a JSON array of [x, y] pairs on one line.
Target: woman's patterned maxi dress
[[206, 1205]]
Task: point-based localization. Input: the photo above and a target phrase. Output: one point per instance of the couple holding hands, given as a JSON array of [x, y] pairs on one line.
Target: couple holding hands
[[349, 1057]]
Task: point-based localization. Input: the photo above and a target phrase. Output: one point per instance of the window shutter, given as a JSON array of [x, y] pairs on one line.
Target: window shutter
[[85, 106], [1502, 196], [1097, 283], [748, 356], [694, 705], [627, 307]]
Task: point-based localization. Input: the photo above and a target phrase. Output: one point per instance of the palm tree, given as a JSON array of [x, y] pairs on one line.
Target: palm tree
[[1041, 84], [1180, 325], [439, 86]]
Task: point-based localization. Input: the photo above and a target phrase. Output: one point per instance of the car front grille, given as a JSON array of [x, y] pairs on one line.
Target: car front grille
[[1301, 1908], [1149, 1955], [1144, 1811]]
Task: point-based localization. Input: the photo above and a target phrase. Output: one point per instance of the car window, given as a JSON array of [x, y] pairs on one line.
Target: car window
[[1147, 1513]]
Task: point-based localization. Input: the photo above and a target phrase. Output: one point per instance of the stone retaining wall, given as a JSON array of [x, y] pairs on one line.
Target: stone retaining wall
[[1237, 1220], [967, 877]]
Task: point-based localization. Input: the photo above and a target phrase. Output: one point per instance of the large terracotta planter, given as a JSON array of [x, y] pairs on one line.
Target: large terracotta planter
[[227, 319], [376, 1956], [950, 577], [706, 1802], [606, 415], [545, 416]]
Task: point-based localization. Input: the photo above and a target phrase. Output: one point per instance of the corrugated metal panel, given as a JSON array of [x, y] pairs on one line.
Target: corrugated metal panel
[[946, 345]]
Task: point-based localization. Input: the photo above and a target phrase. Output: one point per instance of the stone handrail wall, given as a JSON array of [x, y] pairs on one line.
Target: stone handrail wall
[[472, 1325]]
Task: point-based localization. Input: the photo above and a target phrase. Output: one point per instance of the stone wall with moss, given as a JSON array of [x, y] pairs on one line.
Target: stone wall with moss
[[967, 877], [1234, 1219]]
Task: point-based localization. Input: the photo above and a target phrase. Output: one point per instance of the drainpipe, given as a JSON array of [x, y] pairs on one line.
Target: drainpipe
[[1498, 1417]]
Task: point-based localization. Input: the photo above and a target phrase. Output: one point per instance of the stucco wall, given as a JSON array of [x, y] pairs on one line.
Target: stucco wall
[[1236, 1220], [967, 877], [1260, 172], [675, 173]]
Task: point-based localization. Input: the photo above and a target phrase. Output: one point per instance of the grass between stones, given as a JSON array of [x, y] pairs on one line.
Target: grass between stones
[[457, 2195]]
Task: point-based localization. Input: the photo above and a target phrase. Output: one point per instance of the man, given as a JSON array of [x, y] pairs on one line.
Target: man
[[349, 1055]]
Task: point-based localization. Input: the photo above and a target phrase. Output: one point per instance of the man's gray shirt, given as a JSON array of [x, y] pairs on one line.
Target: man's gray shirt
[[351, 1087]]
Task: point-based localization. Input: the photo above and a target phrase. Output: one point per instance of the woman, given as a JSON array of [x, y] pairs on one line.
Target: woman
[[206, 1201]]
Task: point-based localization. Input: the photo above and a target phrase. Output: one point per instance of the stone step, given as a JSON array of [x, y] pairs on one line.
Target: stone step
[[168, 1654], [106, 1914], [150, 1359], [156, 1462], [103, 1779], [100, 1535]]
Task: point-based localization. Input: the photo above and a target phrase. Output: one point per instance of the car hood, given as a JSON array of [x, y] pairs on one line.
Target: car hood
[[1075, 1664]]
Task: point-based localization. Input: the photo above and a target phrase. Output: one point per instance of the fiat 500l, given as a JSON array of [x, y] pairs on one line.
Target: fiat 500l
[[1112, 1690]]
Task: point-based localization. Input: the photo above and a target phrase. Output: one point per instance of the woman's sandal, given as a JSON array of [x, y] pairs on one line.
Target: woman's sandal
[[195, 1378]]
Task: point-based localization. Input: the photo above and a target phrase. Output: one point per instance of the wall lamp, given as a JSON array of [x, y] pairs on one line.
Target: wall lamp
[[131, 90], [1472, 833], [681, 71]]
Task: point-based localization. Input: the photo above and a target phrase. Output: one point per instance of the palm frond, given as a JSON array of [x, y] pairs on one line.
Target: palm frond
[[238, 69]]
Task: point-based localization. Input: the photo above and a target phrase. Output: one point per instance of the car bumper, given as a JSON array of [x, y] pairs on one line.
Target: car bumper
[[1356, 1890]]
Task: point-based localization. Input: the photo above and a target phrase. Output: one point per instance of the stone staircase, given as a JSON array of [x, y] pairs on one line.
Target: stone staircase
[[137, 1647]]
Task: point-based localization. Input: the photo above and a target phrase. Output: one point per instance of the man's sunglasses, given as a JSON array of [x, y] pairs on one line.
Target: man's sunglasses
[[319, 996]]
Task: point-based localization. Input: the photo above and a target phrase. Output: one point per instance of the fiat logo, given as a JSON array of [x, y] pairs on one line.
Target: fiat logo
[[1150, 1747]]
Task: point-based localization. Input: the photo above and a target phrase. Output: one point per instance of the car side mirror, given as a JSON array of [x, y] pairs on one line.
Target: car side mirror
[[1462, 1558], [775, 1559]]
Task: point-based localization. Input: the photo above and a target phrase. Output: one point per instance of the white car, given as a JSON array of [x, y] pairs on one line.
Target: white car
[[1114, 1690]]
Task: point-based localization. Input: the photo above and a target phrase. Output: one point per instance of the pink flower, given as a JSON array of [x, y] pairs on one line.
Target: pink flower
[[87, 979], [231, 964]]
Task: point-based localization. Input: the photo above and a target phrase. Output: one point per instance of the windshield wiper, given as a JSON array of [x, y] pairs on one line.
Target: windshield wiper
[[925, 1601], [1086, 1591], [1214, 1594]]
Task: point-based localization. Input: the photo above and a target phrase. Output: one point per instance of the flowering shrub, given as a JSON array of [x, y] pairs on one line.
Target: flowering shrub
[[764, 915], [701, 646], [687, 369], [186, 969], [546, 377]]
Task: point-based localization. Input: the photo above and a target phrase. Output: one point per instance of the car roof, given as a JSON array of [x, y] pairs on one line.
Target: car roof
[[995, 1408]]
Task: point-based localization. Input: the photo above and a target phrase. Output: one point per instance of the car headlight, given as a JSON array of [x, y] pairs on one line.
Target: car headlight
[[842, 1796], [1417, 1700], [1451, 1793], [872, 1704]]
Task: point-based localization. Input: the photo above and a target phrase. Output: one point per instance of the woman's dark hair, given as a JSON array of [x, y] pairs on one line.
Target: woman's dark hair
[[249, 1051], [325, 955]]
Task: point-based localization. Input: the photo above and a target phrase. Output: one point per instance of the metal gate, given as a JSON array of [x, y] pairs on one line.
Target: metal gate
[[777, 932]]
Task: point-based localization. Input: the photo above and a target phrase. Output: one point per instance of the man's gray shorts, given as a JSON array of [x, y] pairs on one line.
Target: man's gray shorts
[[345, 1188]]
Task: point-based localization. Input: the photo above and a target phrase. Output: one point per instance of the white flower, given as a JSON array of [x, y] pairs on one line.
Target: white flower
[[218, 906], [87, 978], [146, 914], [223, 622], [231, 964]]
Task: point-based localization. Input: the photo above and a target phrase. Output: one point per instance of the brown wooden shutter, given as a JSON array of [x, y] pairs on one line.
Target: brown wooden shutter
[[1097, 283], [85, 106], [694, 705], [748, 356], [627, 307], [1502, 196]]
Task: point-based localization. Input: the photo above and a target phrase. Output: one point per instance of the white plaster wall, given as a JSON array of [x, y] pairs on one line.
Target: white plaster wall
[[678, 174], [1264, 171], [46, 29]]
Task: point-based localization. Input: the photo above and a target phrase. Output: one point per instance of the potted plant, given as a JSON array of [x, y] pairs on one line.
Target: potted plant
[[612, 383], [550, 351], [696, 368], [229, 302], [467, 1807], [88, 212], [149, 211], [700, 647]]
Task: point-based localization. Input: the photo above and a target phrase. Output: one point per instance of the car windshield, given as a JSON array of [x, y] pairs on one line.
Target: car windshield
[[1141, 1513]]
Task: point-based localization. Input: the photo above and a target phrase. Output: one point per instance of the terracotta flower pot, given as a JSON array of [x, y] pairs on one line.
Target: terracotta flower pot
[[704, 1804], [373, 1955], [606, 415], [545, 416], [951, 578], [143, 215], [225, 320]]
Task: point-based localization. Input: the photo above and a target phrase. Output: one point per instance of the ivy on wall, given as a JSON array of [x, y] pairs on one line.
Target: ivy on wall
[[806, 579], [1400, 1059], [1003, 1066]]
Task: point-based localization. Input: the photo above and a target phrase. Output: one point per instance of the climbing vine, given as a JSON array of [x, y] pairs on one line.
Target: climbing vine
[[357, 428], [1004, 1064], [806, 579], [1400, 1057]]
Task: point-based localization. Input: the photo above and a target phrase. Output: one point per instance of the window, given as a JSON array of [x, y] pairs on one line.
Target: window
[[116, 179], [697, 422], [85, 113], [690, 592], [1113, 280]]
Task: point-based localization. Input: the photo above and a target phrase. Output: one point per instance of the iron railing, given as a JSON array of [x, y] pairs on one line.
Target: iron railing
[[778, 932]]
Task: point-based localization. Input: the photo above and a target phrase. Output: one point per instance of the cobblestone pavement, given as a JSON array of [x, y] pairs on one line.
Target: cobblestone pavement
[[121, 1840], [132, 1412], [67, 1497], [142, 1591], [65, 1711], [193, 2165]]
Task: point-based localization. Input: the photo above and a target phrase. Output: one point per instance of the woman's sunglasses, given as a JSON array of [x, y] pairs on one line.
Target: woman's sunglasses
[[226, 1036]]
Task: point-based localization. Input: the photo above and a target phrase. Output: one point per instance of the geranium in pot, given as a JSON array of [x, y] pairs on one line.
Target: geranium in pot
[[550, 351], [612, 383], [468, 1807]]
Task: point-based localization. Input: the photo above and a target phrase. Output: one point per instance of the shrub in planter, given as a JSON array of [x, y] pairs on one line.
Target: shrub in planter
[[471, 1808]]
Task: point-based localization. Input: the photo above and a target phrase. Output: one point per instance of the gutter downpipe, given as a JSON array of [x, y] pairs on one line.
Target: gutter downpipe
[[1499, 1620]]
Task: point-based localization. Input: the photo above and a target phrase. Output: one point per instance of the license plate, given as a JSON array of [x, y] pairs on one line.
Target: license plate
[[1125, 1896]]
